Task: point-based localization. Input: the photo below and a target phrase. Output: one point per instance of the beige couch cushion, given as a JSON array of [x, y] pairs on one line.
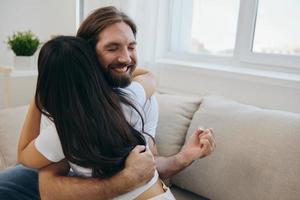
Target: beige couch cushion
[[175, 114], [11, 121], [181, 194], [257, 155]]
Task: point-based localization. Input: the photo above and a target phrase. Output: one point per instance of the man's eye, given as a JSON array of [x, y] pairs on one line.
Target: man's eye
[[131, 48], [114, 49]]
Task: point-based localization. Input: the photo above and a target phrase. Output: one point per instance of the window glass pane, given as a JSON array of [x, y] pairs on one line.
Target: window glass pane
[[277, 27], [212, 29]]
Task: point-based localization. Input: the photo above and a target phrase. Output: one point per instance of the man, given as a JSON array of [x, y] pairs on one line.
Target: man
[[112, 35]]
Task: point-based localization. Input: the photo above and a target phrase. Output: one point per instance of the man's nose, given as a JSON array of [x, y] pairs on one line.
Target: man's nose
[[125, 57]]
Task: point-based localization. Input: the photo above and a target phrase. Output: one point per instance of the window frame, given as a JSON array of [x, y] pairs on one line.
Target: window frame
[[242, 54]]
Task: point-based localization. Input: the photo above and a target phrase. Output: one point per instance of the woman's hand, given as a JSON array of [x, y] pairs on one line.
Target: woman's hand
[[140, 165]]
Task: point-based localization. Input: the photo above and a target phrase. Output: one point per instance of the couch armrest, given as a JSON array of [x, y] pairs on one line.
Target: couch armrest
[[11, 121]]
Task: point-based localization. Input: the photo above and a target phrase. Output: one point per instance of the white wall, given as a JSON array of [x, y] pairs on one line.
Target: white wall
[[257, 90], [45, 18], [1, 90]]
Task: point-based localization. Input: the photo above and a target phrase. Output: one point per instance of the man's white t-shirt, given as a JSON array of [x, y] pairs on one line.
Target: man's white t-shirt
[[48, 143]]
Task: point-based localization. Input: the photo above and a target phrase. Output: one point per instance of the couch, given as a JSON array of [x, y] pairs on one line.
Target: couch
[[257, 155]]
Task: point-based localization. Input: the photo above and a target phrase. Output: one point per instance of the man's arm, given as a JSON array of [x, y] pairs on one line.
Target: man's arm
[[54, 184], [200, 144], [146, 79]]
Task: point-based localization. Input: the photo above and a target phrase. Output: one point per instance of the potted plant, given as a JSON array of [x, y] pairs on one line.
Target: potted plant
[[24, 45]]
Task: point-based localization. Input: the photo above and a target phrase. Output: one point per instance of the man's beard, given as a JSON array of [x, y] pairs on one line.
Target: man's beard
[[118, 80]]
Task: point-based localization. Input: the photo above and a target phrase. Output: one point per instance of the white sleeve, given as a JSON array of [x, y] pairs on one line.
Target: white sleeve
[[137, 92], [48, 143], [151, 116], [149, 107]]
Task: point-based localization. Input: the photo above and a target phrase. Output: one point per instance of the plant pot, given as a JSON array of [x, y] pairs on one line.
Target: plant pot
[[23, 63]]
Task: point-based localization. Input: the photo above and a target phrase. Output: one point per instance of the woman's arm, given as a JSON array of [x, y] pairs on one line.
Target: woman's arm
[[31, 127], [146, 79], [27, 153], [32, 158]]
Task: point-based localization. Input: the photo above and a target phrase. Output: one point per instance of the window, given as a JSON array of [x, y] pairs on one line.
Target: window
[[210, 26], [277, 27], [246, 31]]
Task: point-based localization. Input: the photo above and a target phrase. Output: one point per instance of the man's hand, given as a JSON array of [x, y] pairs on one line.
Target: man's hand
[[146, 79], [140, 165], [200, 144]]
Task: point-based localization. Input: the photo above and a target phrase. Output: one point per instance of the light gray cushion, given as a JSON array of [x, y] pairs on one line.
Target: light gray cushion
[[257, 155], [11, 121], [175, 114]]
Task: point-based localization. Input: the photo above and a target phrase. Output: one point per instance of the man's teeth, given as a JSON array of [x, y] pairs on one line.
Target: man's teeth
[[121, 69]]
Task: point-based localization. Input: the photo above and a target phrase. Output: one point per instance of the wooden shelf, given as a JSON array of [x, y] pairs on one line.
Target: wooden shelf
[[17, 86], [4, 69]]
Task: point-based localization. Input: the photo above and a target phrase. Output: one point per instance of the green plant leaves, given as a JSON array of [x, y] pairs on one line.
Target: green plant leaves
[[23, 43]]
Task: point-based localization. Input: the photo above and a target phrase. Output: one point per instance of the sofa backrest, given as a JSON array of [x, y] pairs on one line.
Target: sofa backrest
[[175, 115], [257, 155]]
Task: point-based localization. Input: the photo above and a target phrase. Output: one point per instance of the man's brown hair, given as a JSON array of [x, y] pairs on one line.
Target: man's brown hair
[[98, 20]]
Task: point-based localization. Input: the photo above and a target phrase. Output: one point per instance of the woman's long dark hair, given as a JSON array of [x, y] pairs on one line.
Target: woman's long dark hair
[[86, 111]]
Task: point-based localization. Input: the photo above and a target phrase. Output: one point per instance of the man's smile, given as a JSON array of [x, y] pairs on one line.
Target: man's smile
[[121, 70]]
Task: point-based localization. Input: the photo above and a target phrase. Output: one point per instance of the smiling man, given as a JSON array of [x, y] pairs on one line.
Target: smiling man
[[117, 53]]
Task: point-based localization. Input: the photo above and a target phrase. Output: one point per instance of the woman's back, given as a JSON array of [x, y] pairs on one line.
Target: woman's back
[[53, 151]]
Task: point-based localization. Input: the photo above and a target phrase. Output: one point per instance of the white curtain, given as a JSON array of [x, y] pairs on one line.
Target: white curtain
[[144, 13]]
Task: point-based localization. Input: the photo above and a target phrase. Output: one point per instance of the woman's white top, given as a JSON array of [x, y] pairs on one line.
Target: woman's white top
[[48, 143]]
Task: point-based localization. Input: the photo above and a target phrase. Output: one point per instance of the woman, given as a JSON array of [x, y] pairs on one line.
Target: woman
[[88, 125]]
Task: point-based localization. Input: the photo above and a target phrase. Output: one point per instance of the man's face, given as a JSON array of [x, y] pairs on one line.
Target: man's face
[[116, 50]]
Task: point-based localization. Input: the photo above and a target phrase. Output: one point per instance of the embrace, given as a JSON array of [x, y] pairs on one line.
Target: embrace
[[100, 116]]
